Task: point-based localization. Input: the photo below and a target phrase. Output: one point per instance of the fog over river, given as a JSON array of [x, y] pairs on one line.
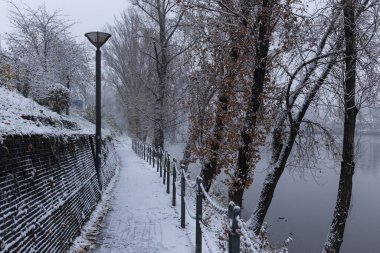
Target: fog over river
[[302, 206]]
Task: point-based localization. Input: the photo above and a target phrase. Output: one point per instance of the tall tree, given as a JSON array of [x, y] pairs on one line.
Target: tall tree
[[309, 74], [134, 60], [164, 19], [130, 71], [37, 34], [335, 235], [237, 37], [316, 71]]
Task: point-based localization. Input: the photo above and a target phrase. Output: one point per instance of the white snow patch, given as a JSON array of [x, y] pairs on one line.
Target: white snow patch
[[23, 116]]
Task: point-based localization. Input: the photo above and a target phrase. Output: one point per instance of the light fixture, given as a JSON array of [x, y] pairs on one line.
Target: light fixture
[[97, 38]]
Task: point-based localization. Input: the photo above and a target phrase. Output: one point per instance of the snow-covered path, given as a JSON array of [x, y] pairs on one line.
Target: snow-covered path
[[141, 218]]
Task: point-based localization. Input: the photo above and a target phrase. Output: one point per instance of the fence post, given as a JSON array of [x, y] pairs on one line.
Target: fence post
[[233, 236], [174, 190], [153, 155], [198, 218], [166, 161], [150, 155], [182, 197], [161, 162], [156, 151], [168, 176], [146, 152]]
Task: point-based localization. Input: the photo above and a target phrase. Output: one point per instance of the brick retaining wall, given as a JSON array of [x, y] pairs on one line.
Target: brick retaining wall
[[48, 189]]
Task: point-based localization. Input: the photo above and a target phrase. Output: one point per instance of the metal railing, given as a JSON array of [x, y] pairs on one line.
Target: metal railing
[[169, 171]]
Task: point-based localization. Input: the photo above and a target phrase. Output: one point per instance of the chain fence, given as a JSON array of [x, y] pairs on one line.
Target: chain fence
[[171, 170]]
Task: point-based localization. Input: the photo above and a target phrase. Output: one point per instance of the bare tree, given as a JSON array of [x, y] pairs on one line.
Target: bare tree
[[315, 71], [37, 34], [72, 69], [308, 77], [131, 71], [164, 19], [43, 44], [134, 59], [353, 95]]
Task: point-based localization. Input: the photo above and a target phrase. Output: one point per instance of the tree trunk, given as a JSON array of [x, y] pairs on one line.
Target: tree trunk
[[162, 70], [243, 175], [210, 169], [187, 152], [158, 133], [281, 151], [335, 235], [230, 58], [270, 184]]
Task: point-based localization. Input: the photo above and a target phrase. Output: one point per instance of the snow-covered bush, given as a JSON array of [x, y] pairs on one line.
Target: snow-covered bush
[[55, 96]]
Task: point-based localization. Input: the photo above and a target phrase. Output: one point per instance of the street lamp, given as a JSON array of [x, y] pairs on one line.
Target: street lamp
[[98, 39]]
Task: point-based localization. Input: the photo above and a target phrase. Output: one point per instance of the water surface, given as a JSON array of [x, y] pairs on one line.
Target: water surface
[[306, 204]]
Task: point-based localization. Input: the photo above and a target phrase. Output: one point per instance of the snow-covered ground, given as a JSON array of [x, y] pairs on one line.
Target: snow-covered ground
[[23, 116], [141, 218]]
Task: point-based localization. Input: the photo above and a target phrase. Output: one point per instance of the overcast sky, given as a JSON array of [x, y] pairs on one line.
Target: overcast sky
[[88, 15]]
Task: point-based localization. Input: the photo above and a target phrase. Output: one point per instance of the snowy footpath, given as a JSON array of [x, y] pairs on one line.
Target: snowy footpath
[[141, 218]]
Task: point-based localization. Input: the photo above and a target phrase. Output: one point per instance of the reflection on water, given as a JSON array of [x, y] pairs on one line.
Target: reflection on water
[[306, 205], [369, 156]]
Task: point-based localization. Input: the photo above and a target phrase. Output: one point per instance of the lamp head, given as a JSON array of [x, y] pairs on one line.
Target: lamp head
[[97, 38]]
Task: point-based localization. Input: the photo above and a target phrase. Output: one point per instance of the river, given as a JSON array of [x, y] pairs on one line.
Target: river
[[303, 204]]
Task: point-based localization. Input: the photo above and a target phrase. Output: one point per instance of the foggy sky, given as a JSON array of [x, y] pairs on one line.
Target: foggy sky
[[88, 15]]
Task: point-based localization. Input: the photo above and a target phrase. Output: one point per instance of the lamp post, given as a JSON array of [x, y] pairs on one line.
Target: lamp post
[[98, 39]]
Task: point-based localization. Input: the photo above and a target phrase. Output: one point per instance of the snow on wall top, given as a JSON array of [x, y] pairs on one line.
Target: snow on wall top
[[23, 116]]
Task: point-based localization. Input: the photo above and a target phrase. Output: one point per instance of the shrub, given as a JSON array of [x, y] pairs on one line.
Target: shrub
[[55, 96]]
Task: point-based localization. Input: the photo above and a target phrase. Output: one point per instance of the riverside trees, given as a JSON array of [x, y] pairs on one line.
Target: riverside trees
[[257, 69], [237, 37], [319, 77], [358, 32], [302, 74]]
